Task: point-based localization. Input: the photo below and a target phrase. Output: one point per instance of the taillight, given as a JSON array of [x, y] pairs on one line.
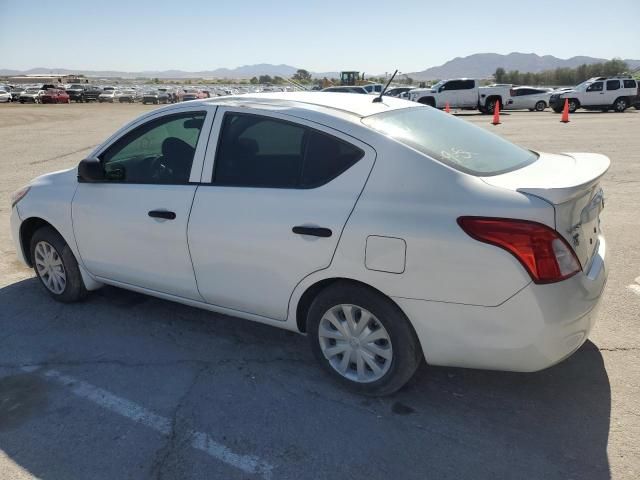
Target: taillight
[[541, 250]]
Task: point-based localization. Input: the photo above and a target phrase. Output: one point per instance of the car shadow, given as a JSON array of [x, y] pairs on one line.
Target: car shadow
[[446, 423]]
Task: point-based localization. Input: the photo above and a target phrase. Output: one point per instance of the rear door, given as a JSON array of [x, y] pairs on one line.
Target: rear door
[[457, 93], [612, 91], [278, 194]]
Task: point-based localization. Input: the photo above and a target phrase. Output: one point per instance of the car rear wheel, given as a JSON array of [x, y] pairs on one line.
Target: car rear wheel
[[540, 106], [56, 266], [620, 105], [362, 339], [490, 106]]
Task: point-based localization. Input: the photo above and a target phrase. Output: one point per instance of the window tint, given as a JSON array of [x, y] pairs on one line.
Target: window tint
[[629, 84], [459, 85], [452, 85], [613, 84], [595, 87], [160, 151], [256, 151]]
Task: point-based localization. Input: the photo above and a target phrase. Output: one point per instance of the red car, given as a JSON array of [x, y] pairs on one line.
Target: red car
[[54, 95]]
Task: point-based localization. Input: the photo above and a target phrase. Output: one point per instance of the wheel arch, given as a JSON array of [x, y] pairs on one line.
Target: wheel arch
[[27, 228], [312, 291], [492, 98], [427, 101]]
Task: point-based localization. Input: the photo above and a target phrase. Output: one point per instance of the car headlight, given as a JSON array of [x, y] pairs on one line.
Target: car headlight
[[19, 195]]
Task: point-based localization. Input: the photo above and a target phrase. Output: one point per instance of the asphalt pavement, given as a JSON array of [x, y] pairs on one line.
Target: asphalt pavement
[[128, 386]]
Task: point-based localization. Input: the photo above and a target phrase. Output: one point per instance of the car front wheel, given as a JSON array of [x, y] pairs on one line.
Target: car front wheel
[[56, 266], [362, 339]]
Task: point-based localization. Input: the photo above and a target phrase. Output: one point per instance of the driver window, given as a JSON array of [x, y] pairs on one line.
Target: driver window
[[595, 87], [160, 151]]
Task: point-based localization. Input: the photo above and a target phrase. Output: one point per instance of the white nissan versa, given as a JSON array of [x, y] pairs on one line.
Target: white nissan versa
[[386, 231]]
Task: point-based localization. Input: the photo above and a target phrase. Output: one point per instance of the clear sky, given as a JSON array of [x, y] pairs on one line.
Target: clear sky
[[366, 35]]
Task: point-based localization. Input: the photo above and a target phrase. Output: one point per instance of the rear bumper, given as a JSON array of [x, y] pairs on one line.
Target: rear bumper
[[538, 327]]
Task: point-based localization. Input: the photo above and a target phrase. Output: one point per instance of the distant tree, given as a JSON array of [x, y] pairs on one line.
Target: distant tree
[[254, 81], [499, 75], [265, 79], [407, 81], [302, 75], [278, 80]]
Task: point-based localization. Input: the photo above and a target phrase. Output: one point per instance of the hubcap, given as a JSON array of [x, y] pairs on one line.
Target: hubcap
[[355, 343], [50, 267]]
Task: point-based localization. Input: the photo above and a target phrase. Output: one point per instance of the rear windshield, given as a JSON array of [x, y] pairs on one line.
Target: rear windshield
[[452, 141]]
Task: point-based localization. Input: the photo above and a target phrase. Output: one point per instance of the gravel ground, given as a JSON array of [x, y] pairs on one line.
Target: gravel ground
[[128, 386]]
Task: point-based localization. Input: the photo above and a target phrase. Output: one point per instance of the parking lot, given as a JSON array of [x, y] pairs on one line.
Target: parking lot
[[128, 386]]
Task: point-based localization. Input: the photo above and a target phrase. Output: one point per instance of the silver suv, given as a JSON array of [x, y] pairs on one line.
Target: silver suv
[[598, 93]]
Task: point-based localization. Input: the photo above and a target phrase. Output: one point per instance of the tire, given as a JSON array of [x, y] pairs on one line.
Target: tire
[[490, 105], [620, 105], [427, 101], [397, 339], [573, 105], [47, 240], [540, 106]]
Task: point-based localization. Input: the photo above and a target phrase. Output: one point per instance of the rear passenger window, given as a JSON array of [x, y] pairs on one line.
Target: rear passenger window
[[256, 151], [613, 84], [629, 84]]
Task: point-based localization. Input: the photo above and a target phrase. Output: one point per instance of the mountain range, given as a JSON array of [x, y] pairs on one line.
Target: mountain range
[[243, 72], [483, 65], [479, 65]]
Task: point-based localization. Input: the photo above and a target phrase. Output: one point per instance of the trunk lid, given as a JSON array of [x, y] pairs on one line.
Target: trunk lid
[[571, 183]]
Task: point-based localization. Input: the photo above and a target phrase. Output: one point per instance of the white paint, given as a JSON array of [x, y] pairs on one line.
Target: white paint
[[635, 287], [199, 440]]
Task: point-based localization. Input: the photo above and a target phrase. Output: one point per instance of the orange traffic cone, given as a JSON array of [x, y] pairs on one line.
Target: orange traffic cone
[[496, 114], [446, 108], [565, 111]]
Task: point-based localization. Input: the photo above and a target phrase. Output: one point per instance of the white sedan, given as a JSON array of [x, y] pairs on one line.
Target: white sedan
[[529, 98], [5, 96], [388, 231]]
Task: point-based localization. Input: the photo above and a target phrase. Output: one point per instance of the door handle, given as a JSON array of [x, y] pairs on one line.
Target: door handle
[[312, 231], [162, 214]]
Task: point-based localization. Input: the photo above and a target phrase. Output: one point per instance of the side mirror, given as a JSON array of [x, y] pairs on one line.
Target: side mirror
[[90, 170]]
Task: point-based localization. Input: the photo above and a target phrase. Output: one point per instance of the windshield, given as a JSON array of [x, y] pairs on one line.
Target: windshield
[[450, 140], [433, 87], [32, 90]]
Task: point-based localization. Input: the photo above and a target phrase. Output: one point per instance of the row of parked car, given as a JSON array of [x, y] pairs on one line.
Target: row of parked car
[[84, 93], [599, 93]]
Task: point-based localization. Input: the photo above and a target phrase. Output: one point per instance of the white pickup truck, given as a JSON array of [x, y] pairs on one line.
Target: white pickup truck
[[462, 93]]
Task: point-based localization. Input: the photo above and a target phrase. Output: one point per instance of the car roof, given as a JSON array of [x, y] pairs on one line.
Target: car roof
[[332, 103]]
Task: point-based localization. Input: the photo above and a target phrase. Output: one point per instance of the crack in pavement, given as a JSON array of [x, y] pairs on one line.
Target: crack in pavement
[[178, 438], [170, 363], [36, 162]]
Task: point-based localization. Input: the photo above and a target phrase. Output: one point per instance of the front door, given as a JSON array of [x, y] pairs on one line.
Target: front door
[[281, 192], [132, 227], [594, 94]]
